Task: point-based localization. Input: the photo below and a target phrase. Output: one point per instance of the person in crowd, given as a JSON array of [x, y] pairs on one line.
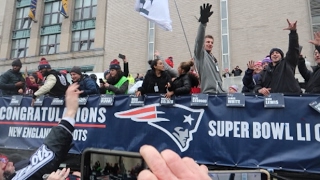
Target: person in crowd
[[55, 83], [168, 64], [312, 78], [169, 61], [182, 84], [125, 66], [157, 80], [278, 76], [266, 61], [137, 77], [12, 81], [233, 89], [117, 82], [236, 71], [95, 78], [106, 74], [32, 82], [56, 145], [86, 84], [226, 73], [169, 165], [206, 63], [251, 76]]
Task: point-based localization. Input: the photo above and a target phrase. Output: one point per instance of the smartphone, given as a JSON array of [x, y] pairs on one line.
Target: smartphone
[[101, 81], [110, 164], [121, 56], [300, 49]]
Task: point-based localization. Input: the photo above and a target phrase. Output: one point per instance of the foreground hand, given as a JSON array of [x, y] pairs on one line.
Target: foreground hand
[[169, 165], [291, 26], [72, 98], [265, 91], [59, 174], [316, 40]]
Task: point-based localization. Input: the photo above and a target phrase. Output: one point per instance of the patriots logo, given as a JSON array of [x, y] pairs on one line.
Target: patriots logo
[[179, 123]]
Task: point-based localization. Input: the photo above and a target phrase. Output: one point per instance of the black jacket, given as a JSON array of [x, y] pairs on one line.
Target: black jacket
[[280, 78], [49, 156], [312, 79], [151, 80], [181, 85], [8, 81]]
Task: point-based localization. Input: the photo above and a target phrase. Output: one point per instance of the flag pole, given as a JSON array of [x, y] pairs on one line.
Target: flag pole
[[185, 36]]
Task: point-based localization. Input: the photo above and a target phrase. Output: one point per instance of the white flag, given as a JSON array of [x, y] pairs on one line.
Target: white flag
[[156, 11]]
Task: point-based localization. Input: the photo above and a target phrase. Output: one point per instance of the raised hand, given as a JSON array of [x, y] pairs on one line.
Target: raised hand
[[316, 40], [291, 26], [250, 65], [205, 12]]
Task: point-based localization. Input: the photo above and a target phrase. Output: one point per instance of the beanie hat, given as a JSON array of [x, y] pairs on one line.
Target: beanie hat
[[234, 87], [63, 71], [278, 50], [43, 64], [169, 61], [76, 69], [94, 77], [259, 63], [114, 64], [105, 73], [17, 62], [266, 60]]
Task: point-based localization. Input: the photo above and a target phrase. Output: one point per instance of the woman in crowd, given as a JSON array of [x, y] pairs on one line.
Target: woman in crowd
[[117, 83], [32, 82], [157, 80], [251, 76], [182, 84]]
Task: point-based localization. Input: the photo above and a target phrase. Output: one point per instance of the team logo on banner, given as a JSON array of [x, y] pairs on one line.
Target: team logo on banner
[[181, 126]]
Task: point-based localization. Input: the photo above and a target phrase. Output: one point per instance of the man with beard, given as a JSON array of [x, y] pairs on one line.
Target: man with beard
[[12, 81], [117, 83], [55, 83]]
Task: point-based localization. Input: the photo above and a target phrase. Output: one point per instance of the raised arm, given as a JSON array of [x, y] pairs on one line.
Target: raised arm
[[292, 56], [205, 12]]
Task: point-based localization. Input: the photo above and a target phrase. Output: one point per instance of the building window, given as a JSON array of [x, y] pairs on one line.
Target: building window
[[225, 34], [50, 44], [83, 40], [52, 13], [19, 48], [151, 40], [85, 9], [22, 19]]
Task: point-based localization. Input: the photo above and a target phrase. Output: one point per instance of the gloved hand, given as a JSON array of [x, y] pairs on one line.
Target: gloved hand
[[205, 13]]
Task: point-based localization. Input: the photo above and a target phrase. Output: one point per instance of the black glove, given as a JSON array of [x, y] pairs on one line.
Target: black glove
[[205, 13]]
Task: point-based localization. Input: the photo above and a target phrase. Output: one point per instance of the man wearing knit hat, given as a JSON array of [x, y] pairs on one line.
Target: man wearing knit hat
[[12, 81], [55, 83], [278, 76], [86, 84]]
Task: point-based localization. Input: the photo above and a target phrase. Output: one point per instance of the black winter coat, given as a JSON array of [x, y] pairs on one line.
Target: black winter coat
[[151, 80], [280, 78], [8, 81], [312, 78], [181, 85]]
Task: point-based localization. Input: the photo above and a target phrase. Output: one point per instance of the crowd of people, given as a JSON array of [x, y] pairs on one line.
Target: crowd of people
[[274, 74]]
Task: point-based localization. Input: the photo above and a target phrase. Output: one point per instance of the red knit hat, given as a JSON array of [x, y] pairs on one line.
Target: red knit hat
[[114, 64], [169, 61], [43, 64]]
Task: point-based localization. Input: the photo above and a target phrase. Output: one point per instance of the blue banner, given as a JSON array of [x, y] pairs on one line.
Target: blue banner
[[254, 137]]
